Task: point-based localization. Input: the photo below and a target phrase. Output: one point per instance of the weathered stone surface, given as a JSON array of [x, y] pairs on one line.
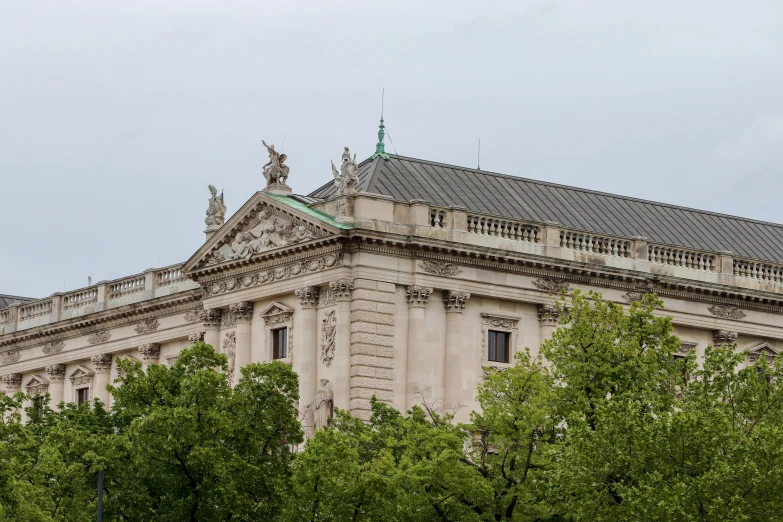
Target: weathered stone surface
[[373, 384], [385, 287], [363, 349], [366, 338], [383, 329], [369, 360], [386, 308], [385, 351], [373, 295], [364, 393], [364, 327], [366, 284], [362, 371], [372, 317], [361, 304]]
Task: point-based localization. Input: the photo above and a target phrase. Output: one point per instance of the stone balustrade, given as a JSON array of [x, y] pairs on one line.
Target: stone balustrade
[[596, 244], [504, 228], [685, 258], [763, 271], [96, 298]]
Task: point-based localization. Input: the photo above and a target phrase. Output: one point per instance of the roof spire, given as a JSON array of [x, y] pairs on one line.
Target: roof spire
[[380, 151]]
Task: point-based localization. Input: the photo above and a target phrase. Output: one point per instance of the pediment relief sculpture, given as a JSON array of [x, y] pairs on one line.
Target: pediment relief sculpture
[[276, 314], [37, 385], [81, 376]]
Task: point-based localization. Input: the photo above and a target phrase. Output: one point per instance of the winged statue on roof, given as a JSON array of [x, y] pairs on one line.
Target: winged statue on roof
[[348, 176]]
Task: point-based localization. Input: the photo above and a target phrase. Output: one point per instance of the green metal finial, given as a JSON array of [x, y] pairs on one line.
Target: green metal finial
[[380, 151]]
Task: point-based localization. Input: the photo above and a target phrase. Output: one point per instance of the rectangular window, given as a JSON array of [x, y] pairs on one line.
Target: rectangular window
[[82, 395], [280, 343], [499, 346]]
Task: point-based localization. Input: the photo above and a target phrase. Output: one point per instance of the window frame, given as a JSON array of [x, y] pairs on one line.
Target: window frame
[[507, 348], [499, 323], [276, 336], [78, 391]]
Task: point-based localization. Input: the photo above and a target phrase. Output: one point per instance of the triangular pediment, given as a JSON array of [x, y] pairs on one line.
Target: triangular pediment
[[265, 223], [81, 371], [763, 349], [36, 380], [275, 309]]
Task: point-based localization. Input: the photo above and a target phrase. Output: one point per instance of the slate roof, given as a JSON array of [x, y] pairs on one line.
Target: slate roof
[[8, 300], [574, 208]]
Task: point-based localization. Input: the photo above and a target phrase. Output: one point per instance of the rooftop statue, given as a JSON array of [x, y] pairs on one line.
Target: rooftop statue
[[346, 179], [276, 171], [216, 213]]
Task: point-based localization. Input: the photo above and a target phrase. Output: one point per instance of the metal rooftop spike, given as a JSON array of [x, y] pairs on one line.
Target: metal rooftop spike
[[380, 151]]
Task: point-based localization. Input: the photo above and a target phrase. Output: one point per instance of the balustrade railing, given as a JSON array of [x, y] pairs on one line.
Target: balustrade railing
[[758, 270], [169, 276], [596, 244], [5, 317], [437, 218], [681, 257], [35, 310], [125, 287], [80, 298], [505, 228]]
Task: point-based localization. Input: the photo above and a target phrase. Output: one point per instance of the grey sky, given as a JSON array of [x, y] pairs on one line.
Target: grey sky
[[114, 116]]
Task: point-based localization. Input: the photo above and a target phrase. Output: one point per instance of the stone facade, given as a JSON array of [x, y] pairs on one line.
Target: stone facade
[[364, 295]]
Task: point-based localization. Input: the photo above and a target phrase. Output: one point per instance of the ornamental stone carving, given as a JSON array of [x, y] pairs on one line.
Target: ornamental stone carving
[[56, 372], [327, 297], [229, 320], [197, 337], [726, 312], [101, 362], [10, 357], [37, 386], [724, 337], [418, 295], [633, 296], [216, 212], [81, 376], [271, 233], [230, 350], [440, 268], [548, 314], [211, 317], [686, 347], [193, 316], [308, 296], [13, 382], [328, 330], [551, 285], [763, 350], [324, 404], [342, 289], [53, 347], [242, 311], [347, 177], [275, 171], [99, 337], [146, 326], [150, 352], [455, 301]]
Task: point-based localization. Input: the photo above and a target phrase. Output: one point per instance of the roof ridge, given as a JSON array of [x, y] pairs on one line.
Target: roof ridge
[[589, 191]]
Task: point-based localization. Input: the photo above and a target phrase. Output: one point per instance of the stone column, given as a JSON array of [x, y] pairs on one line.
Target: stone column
[[547, 319], [211, 319], [342, 343], [150, 354], [305, 357], [101, 364], [56, 374], [455, 347], [416, 361], [243, 313]]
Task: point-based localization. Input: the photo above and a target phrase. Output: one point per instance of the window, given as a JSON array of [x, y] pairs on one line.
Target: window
[[280, 343], [82, 395], [498, 344]]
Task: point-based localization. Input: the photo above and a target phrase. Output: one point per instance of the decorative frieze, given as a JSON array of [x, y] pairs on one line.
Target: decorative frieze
[[308, 296], [230, 351], [242, 311], [56, 372], [53, 347], [10, 357], [328, 330], [147, 326], [101, 362], [271, 275], [455, 301], [342, 289], [548, 314], [150, 352], [551, 285], [418, 295], [197, 337], [211, 317], [440, 268], [724, 337], [726, 312], [12, 382], [102, 336]]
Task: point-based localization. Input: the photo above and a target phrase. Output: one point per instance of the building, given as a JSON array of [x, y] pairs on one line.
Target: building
[[403, 279]]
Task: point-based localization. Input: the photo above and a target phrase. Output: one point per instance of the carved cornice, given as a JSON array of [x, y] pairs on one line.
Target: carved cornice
[[242, 311], [724, 337], [418, 295], [13, 382], [56, 372], [726, 312], [197, 337], [455, 301], [211, 317], [342, 289], [308, 296], [10, 357], [548, 314], [150, 352], [147, 326], [101, 362]]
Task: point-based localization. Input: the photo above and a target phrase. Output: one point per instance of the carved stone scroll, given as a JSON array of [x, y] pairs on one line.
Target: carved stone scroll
[[548, 314], [242, 311], [308, 296], [56, 372], [342, 289], [150, 352], [724, 337], [12, 382], [101, 362], [197, 337], [211, 318]]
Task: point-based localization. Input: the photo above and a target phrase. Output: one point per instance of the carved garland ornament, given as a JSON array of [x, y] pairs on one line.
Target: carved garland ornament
[[440, 268], [53, 347], [328, 330], [273, 274], [10, 357], [726, 312], [147, 326], [551, 285], [230, 350], [99, 337]]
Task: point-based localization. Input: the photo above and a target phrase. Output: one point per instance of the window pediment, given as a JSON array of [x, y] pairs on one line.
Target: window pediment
[[81, 376], [277, 313], [37, 385], [762, 350]]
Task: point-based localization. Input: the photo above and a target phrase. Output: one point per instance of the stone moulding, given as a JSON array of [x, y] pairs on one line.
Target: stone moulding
[[726, 312]]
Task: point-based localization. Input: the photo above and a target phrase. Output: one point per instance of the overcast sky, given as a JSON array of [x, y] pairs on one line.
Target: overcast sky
[[116, 115]]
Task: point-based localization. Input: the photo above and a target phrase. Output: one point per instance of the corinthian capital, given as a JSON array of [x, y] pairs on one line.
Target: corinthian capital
[[342, 289], [418, 295], [724, 337], [13, 382], [101, 362], [455, 301], [56, 372], [548, 314], [211, 317], [242, 311], [197, 337], [150, 352], [308, 296]]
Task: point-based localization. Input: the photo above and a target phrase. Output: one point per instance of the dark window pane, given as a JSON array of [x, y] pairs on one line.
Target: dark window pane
[[498, 346], [280, 343], [82, 395]]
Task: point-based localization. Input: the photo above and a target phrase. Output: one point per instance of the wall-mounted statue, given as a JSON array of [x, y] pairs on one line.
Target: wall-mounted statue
[[346, 179], [324, 405], [276, 171], [271, 232]]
